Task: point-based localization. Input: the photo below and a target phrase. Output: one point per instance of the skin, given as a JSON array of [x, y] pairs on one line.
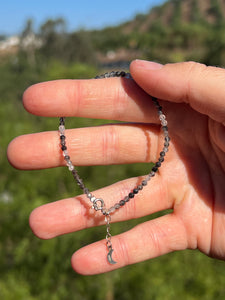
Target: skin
[[190, 181]]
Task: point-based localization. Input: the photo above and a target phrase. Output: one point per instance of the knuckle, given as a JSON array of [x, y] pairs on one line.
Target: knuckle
[[120, 102], [194, 70], [110, 144]]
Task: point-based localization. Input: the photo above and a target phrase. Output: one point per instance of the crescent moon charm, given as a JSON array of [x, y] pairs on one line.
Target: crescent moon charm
[[109, 257]]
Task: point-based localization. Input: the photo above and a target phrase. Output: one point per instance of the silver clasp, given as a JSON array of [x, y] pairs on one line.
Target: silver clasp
[[98, 204]]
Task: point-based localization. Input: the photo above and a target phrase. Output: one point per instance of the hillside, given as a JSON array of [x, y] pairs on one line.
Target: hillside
[[181, 11], [176, 30]]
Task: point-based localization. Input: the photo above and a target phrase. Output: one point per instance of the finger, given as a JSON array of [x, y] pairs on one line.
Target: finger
[[112, 144], [74, 214], [145, 241], [111, 98], [196, 84]]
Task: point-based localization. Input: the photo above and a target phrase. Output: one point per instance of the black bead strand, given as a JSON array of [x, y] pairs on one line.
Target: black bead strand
[[154, 169]]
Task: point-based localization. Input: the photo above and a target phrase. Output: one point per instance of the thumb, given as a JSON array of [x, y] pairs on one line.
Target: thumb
[[202, 87]]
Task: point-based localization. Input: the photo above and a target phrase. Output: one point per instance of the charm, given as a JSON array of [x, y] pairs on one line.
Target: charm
[[98, 203], [109, 257]]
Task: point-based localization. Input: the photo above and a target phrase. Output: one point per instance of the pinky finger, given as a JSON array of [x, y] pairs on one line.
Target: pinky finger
[[145, 241]]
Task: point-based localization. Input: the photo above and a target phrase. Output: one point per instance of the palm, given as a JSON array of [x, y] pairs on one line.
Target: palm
[[190, 181], [196, 191]]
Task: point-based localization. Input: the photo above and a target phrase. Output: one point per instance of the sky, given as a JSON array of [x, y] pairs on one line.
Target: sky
[[92, 14]]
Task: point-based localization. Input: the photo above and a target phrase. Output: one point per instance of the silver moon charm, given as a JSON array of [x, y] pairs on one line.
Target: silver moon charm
[[109, 257]]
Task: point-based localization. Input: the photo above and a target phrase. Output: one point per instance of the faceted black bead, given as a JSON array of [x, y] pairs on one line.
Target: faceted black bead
[[152, 174], [162, 153], [122, 202], [131, 195], [67, 157], [80, 183], [62, 137], [61, 121], [135, 191], [165, 128], [126, 199], [122, 73], [144, 182], [158, 164], [74, 172], [154, 169], [140, 187], [167, 138], [63, 147], [166, 144], [161, 159], [86, 190]]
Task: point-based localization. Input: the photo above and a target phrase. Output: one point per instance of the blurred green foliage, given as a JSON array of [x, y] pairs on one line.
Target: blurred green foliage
[[197, 34], [34, 269]]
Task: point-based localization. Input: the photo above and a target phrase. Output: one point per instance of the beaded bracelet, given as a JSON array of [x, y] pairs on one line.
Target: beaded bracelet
[[98, 203]]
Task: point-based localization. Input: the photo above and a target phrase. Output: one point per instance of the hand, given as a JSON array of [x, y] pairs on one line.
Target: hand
[[190, 181]]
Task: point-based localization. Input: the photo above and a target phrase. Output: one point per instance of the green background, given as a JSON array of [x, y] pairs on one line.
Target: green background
[[31, 268]]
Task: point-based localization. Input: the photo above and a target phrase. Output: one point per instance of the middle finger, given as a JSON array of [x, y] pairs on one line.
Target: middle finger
[[111, 144]]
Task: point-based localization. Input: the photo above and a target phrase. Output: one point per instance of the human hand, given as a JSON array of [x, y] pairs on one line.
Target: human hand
[[190, 181]]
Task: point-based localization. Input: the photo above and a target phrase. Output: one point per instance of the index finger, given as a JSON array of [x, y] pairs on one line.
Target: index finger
[[111, 98]]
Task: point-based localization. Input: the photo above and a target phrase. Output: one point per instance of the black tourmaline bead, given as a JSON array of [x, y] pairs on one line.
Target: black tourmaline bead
[[112, 73], [140, 187], [154, 169], [158, 164], [162, 153], [62, 137], [161, 159], [67, 157], [74, 172], [131, 195], [135, 191], [80, 184], [144, 182], [166, 144], [86, 190], [127, 199], [122, 203], [63, 147], [122, 73], [61, 121], [165, 128], [167, 138]]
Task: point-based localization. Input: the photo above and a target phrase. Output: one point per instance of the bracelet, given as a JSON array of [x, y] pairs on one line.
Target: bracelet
[[98, 203]]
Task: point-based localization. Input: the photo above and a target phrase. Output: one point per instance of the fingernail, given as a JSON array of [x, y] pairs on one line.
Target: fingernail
[[149, 65]]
